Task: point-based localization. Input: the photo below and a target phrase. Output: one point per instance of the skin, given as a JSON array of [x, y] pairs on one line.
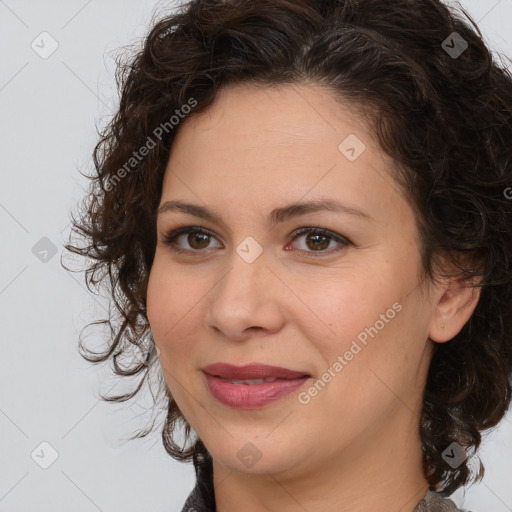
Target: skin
[[355, 445]]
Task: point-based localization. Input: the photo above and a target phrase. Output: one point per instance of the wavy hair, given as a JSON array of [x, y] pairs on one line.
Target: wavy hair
[[441, 106]]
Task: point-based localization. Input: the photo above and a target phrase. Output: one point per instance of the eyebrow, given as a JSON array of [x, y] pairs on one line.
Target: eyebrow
[[276, 216]]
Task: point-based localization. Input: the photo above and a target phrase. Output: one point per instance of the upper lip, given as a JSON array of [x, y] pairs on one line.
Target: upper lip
[[251, 371]]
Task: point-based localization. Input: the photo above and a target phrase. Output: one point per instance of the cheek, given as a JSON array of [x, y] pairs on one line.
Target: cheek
[[157, 300], [169, 298], [168, 310], [370, 320], [342, 305], [374, 357], [176, 302], [171, 317]]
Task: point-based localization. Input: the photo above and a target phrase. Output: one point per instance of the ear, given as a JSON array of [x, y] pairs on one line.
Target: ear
[[456, 301]]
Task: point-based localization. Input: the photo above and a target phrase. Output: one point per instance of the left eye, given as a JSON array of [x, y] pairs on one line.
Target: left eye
[[317, 240]]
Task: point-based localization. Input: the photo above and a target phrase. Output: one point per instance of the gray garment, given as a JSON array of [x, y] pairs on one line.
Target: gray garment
[[434, 502], [202, 499]]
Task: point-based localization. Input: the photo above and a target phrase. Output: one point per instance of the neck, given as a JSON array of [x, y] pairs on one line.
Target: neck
[[381, 471]]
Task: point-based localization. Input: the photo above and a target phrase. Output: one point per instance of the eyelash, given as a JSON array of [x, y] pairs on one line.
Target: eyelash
[[169, 240]]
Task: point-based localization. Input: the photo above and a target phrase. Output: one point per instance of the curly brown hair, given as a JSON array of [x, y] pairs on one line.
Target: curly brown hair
[[441, 107]]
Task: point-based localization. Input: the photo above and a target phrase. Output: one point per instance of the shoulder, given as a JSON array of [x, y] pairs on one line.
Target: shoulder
[[436, 502]]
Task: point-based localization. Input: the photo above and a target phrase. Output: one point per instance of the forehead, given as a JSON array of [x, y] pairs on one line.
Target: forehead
[[292, 115], [259, 145]]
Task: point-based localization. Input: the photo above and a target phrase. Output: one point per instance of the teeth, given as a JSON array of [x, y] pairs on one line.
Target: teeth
[[253, 381]]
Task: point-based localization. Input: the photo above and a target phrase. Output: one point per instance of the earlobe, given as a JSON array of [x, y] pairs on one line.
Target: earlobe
[[453, 310]]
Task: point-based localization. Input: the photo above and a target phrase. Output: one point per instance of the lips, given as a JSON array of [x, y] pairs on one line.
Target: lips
[[251, 386], [252, 372]]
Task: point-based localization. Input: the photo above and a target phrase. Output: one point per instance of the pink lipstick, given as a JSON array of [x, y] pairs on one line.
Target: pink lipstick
[[251, 386]]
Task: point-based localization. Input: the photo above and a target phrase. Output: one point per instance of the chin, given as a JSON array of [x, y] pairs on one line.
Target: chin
[[257, 457]]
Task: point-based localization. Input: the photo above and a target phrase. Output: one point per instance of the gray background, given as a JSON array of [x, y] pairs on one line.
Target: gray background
[[49, 109]]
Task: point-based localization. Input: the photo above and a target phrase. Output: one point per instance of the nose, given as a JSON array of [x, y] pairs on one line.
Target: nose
[[247, 299]]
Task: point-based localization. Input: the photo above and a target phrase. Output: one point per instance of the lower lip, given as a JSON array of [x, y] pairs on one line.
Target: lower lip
[[251, 396]]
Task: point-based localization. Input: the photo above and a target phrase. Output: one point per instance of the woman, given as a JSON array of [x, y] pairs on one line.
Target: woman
[[302, 208]]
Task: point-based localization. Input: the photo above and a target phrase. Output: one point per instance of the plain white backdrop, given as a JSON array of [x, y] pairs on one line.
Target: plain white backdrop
[[49, 108]]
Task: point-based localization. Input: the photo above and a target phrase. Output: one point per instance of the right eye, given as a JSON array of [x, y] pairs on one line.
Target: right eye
[[198, 239]]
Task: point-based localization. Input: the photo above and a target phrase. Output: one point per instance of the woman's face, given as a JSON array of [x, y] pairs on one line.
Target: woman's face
[[344, 307]]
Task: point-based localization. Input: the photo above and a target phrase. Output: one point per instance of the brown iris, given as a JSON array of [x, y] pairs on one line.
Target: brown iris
[[317, 245], [195, 236]]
